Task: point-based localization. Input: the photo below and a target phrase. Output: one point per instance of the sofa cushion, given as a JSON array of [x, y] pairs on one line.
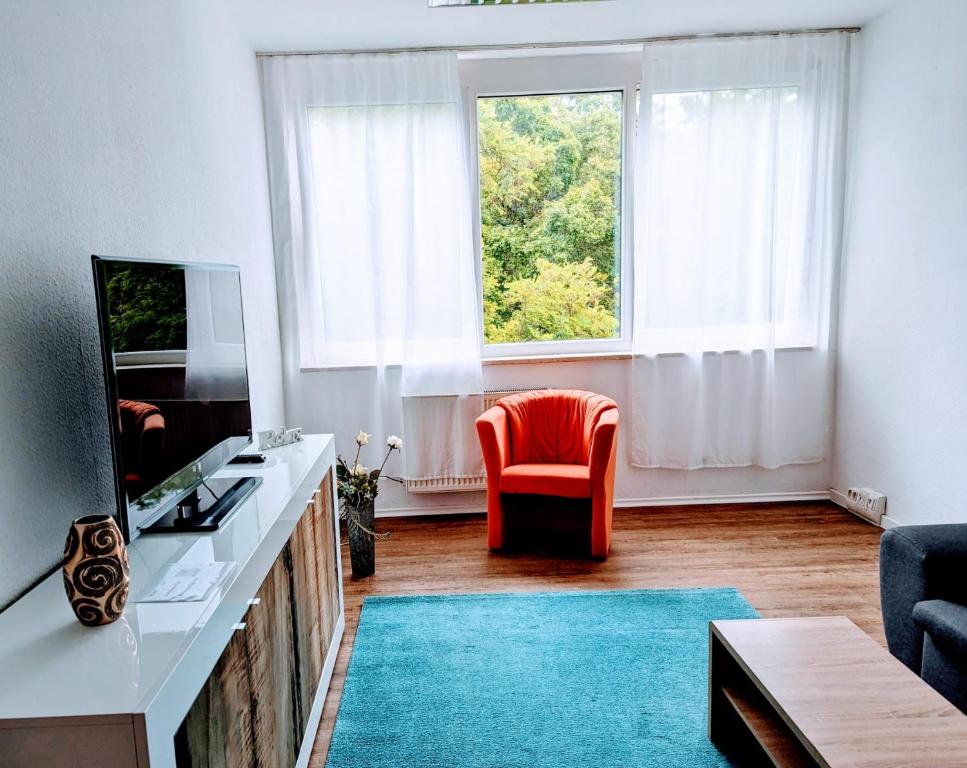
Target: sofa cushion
[[570, 480], [945, 622]]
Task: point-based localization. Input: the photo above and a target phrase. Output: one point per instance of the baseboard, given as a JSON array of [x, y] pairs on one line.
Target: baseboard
[[838, 498], [437, 510], [737, 498], [657, 501]]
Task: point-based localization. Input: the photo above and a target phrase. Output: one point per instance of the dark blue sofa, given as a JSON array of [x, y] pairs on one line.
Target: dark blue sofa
[[923, 592]]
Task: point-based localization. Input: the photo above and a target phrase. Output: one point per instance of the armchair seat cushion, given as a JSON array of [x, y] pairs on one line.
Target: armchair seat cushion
[[945, 622], [572, 481]]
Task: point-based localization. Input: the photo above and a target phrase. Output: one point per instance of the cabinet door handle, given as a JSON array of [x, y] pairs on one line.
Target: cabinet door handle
[[239, 626]]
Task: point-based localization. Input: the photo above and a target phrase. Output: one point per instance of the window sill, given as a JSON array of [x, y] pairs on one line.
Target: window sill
[[563, 357], [489, 361]]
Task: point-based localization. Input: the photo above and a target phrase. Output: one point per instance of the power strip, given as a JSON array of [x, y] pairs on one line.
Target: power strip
[[867, 503]]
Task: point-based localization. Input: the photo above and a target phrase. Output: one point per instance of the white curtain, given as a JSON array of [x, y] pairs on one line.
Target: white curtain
[[215, 359], [738, 228], [370, 188]]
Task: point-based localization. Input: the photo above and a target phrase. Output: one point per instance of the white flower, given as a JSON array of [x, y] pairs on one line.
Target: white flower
[[394, 442], [359, 470], [362, 438]]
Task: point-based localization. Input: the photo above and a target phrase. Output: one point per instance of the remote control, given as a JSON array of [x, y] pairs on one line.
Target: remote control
[[249, 458]]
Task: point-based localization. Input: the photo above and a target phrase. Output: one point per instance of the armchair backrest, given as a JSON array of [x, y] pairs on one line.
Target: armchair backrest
[[553, 426]]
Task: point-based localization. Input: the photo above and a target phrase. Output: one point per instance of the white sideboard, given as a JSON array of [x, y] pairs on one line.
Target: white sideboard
[[143, 691]]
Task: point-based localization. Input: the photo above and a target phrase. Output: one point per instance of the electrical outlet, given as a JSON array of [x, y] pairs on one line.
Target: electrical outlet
[[875, 502], [866, 503], [855, 496]]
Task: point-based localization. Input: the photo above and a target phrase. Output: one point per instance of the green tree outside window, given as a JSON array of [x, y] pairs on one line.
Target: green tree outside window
[[550, 191]]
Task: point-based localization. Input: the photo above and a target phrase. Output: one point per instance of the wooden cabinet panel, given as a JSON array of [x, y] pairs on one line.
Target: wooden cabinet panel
[[306, 612], [254, 709], [273, 669], [217, 733], [327, 549], [315, 580]]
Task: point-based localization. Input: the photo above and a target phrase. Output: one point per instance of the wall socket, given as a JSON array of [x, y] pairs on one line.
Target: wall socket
[[867, 503]]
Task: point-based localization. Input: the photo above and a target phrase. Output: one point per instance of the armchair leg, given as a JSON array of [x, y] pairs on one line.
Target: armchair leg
[[600, 528], [495, 523], [600, 545]]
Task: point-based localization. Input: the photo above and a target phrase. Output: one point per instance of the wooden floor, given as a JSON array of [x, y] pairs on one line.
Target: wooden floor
[[808, 559]]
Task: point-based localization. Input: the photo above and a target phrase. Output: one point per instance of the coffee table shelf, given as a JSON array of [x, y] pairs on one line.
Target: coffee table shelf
[[776, 740]]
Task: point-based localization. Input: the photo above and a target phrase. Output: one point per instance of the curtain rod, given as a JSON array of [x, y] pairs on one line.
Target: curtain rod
[[570, 44]]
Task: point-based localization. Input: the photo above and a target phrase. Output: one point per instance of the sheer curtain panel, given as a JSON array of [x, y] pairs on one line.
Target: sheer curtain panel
[[739, 217], [371, 213]]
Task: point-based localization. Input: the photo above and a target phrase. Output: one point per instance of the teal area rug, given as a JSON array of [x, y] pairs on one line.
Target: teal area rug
[[555, 680]]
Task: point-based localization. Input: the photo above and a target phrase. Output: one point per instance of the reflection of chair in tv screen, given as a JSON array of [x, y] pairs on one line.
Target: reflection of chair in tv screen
[[189, 427], [142, 445], [193, 427]]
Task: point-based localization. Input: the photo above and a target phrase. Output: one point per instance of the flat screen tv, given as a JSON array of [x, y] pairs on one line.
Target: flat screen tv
[[173, 342]]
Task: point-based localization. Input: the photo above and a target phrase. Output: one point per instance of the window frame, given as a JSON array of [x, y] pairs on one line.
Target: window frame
[[495, 75]]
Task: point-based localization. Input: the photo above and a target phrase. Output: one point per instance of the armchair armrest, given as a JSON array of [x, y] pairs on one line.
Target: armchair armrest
[[604, 441], [917, 563], [494, 438]]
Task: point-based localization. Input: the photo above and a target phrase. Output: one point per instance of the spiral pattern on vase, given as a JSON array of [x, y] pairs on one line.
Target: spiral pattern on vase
[[101, 538], [96, 573], [69, 589], [88, 612], [96, 576], [116, 601], [72, 543]]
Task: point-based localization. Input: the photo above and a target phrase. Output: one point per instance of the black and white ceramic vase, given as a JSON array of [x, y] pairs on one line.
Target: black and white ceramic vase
[[96, 573]]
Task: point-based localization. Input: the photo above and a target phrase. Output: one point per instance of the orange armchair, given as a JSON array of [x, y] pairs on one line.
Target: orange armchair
[[551, 443]]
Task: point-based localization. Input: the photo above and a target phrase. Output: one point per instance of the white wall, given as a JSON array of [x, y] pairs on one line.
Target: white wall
[[902, 388], [127, 129]]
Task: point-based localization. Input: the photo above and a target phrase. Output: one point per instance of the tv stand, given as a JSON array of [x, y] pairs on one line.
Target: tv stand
[[206, 507], [236, 679]]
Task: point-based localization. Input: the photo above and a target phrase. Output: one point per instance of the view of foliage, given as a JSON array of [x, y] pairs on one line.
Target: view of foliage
[[147, 308], [550, 185]]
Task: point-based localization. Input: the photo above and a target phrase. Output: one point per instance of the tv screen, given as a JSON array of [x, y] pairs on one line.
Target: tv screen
[[174, 357]]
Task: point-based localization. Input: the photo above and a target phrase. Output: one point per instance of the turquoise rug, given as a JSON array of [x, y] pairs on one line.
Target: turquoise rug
[[555, 680]]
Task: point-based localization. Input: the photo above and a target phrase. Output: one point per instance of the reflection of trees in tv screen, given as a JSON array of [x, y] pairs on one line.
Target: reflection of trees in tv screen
[[147, 308]]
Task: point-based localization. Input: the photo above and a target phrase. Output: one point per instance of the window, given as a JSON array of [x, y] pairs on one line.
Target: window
[[554, 189], [550, 205]]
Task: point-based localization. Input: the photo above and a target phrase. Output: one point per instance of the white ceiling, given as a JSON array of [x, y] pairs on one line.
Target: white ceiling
[[292, 25]]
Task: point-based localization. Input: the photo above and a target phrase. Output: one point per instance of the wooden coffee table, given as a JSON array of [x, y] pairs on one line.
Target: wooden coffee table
[[808, 692]]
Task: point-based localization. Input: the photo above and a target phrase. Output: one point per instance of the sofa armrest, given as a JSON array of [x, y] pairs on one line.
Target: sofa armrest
[[945, 622], [494, 436], [917, 563], [604, 442]]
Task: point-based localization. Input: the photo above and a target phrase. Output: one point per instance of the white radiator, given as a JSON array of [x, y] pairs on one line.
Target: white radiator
[[491, 396], [451, 484]]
